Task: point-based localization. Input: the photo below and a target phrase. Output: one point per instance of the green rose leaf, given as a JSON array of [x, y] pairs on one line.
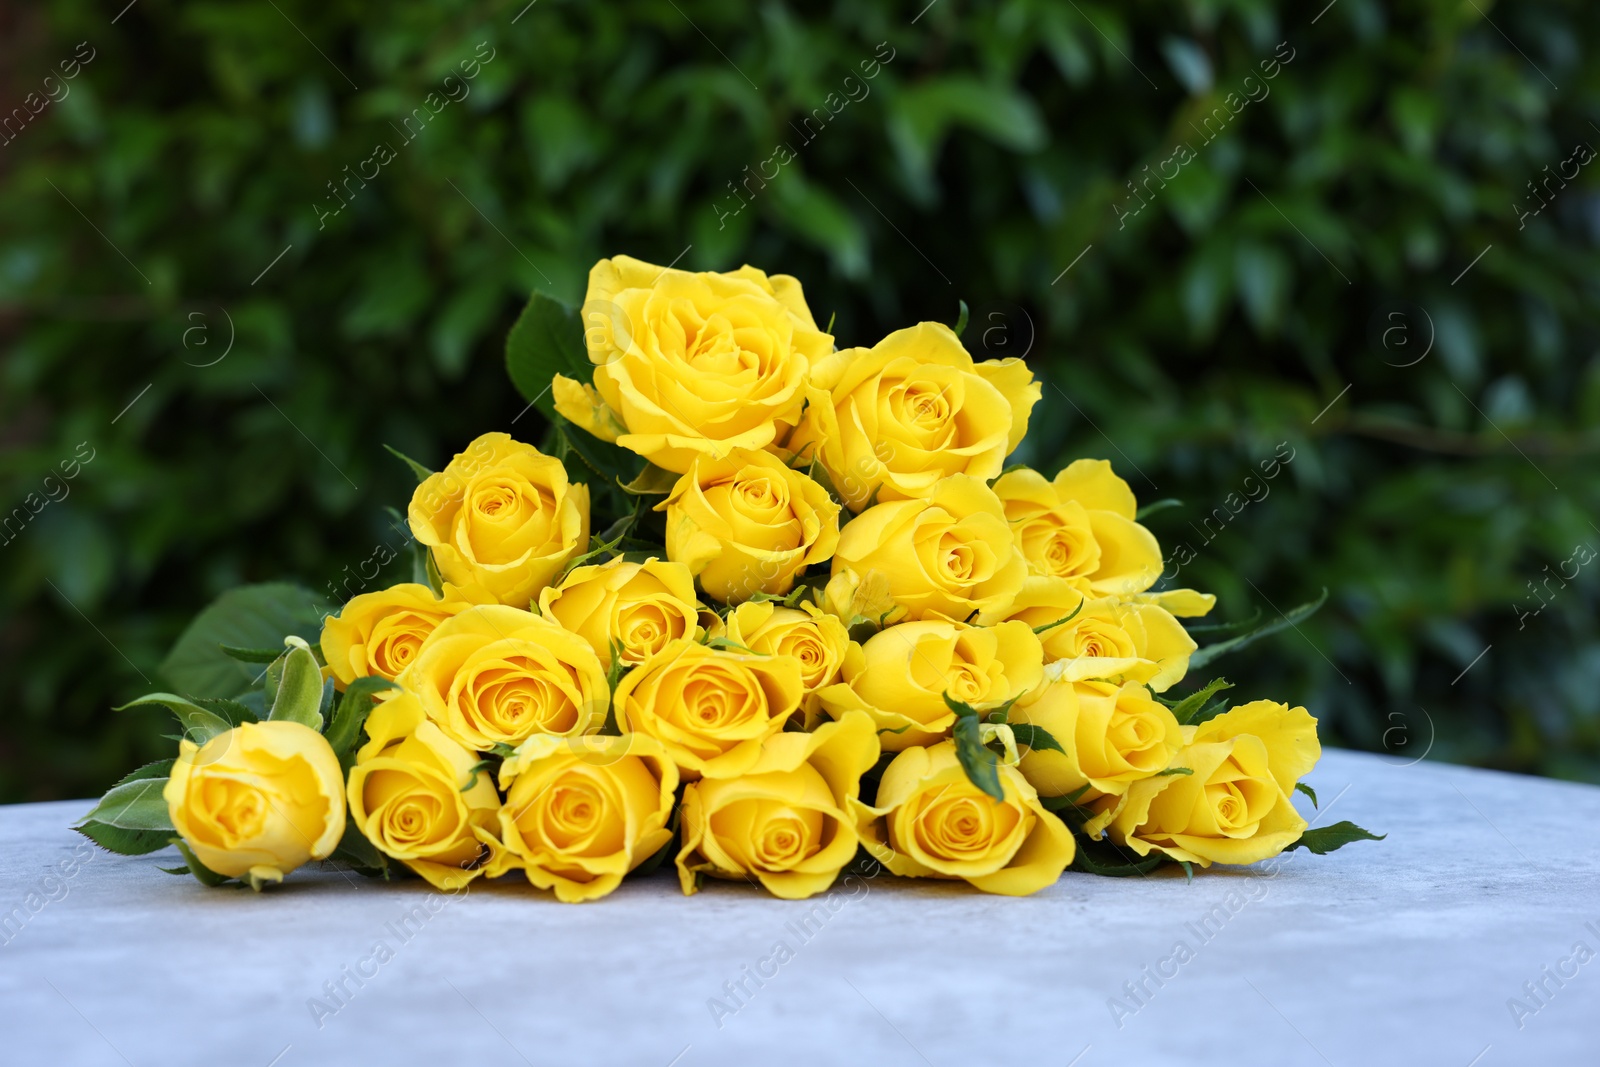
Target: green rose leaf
[[199, 724], [611, 462], [135, 805], [1325, 839], [546, 340], [205, 875], [422, 473], [1158, 505], [981, 765], [1291, 618], [1188, 710], [1036, 737], [123, 841], [251, 655], [345, 729], [251, 616]]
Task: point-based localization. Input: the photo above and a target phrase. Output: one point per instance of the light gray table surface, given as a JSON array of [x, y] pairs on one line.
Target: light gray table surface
[[1405, 951]]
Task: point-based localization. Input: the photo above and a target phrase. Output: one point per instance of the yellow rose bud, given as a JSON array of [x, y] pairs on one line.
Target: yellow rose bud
[[1113, 736], [786, 822], [1102, 637], [930, 821], [582, 812], [894, 419], [1235, 807], [642, 606], [710, 708], [501, 517], [851, 597], [498, 675], [421, 798], [744, 523], [1082, 526], [693, 364], [900, 676], [817, 640], [258, 800], [379, 633], [947, 556]]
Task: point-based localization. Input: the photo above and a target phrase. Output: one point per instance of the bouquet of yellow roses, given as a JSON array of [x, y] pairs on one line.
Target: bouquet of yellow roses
[[759, 607]]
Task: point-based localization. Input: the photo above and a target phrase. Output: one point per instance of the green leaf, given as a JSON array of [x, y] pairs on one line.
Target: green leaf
[[477, 769], [1293, 617], [234, 711], [1325, 839], [360, 853], [611, 462], [1036, 737], [351, 715], [1066, 800], [546, 340], [123, 841], [731, 646], [1187, 710], [205, 875], [1086, 861], [1063, 620], [597, 548], [1173, 770], [431, 572], [251, 655], [961, 320], [981, 765], [1224, 627], [199, 725], [1308, 791], [422, 473], [161, 768], [1158, 505], [299, 696], [1188, 869], [135, 805], [652, 481], [251, 616]]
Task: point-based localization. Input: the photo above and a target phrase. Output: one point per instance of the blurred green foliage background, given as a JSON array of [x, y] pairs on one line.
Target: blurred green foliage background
[[1310, 255]]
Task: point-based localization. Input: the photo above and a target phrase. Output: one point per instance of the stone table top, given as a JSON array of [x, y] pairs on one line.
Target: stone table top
[[1464, 938]]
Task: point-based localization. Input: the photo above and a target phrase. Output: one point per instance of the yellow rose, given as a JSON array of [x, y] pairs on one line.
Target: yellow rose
[[690, 363], [379, 633], [892, 420], [1235, 807], [641, 606], [1108, 638], [948, 556], [710, 708], [501, 517], [258, 800], [1113, 736], [786, 822], [416, 795], [817, 640], [744, 523], [582, 812], [1081, 526], [930, 821], [900, 675], [498, 675]]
